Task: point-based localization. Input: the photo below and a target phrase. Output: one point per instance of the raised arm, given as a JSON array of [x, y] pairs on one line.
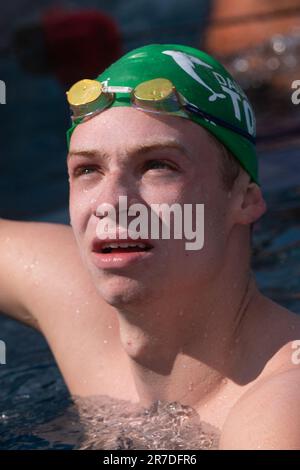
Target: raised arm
[[26, 251]]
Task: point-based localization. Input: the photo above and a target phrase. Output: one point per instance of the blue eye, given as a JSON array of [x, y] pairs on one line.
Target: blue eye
[[158, 165], [84, 170]]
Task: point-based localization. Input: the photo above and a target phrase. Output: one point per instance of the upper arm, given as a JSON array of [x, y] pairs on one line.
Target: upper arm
[[23, 245], [266, 417]]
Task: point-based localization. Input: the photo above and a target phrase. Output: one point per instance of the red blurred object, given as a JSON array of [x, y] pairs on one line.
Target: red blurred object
[[80, 43]]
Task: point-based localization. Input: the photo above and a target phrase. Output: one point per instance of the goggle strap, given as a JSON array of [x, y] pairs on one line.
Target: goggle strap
[[193, 109]]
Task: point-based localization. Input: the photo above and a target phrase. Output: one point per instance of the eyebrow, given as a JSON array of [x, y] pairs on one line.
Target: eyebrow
[[141, 149]]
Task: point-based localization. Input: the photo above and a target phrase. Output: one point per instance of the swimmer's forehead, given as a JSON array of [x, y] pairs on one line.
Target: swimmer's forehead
[[147, 146]]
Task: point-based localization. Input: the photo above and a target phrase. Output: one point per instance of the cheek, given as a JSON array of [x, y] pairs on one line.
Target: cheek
[[215, 229], [215, 221], [167, 193], [81, 208]]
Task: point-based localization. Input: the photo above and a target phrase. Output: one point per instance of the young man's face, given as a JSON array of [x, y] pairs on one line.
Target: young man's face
[[111, 156]]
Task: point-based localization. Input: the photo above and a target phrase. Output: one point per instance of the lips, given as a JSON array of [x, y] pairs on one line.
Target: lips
[[128, 245], [113, 255]]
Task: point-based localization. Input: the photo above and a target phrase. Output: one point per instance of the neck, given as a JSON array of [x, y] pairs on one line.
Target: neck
[[184, 348]]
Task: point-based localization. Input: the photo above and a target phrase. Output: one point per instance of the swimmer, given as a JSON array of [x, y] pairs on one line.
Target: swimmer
[[163, 124]]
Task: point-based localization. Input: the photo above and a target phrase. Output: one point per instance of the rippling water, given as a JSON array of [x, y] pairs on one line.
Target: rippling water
[[105, 423]]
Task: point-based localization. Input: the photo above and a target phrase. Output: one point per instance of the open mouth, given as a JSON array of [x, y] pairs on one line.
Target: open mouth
[[122, 247]]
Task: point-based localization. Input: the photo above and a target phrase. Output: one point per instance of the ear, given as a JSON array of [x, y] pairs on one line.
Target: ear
[[250, 204]]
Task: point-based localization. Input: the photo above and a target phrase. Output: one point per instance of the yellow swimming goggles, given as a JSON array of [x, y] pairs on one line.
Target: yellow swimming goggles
[[89, 97]]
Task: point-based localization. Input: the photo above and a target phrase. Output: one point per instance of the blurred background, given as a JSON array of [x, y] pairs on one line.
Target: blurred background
[[47, 45]]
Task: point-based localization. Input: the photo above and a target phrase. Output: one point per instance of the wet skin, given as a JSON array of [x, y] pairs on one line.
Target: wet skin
[[172, 326]]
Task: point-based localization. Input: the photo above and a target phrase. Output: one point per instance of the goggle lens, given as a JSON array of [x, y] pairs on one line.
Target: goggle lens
[[87, 97], [84, 92], [154, 90]]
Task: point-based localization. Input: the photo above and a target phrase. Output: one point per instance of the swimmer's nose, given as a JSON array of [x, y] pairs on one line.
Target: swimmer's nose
[[119, 193], [121, 207]]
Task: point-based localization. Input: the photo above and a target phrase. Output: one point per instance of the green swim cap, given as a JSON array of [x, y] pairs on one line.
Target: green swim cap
[[202, 81]]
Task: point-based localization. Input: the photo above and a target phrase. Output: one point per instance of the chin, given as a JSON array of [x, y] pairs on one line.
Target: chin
[[120, 291]]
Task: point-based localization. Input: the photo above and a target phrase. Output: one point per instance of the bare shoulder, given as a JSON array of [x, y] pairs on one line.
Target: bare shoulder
[[267, 414], [40, 264]]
